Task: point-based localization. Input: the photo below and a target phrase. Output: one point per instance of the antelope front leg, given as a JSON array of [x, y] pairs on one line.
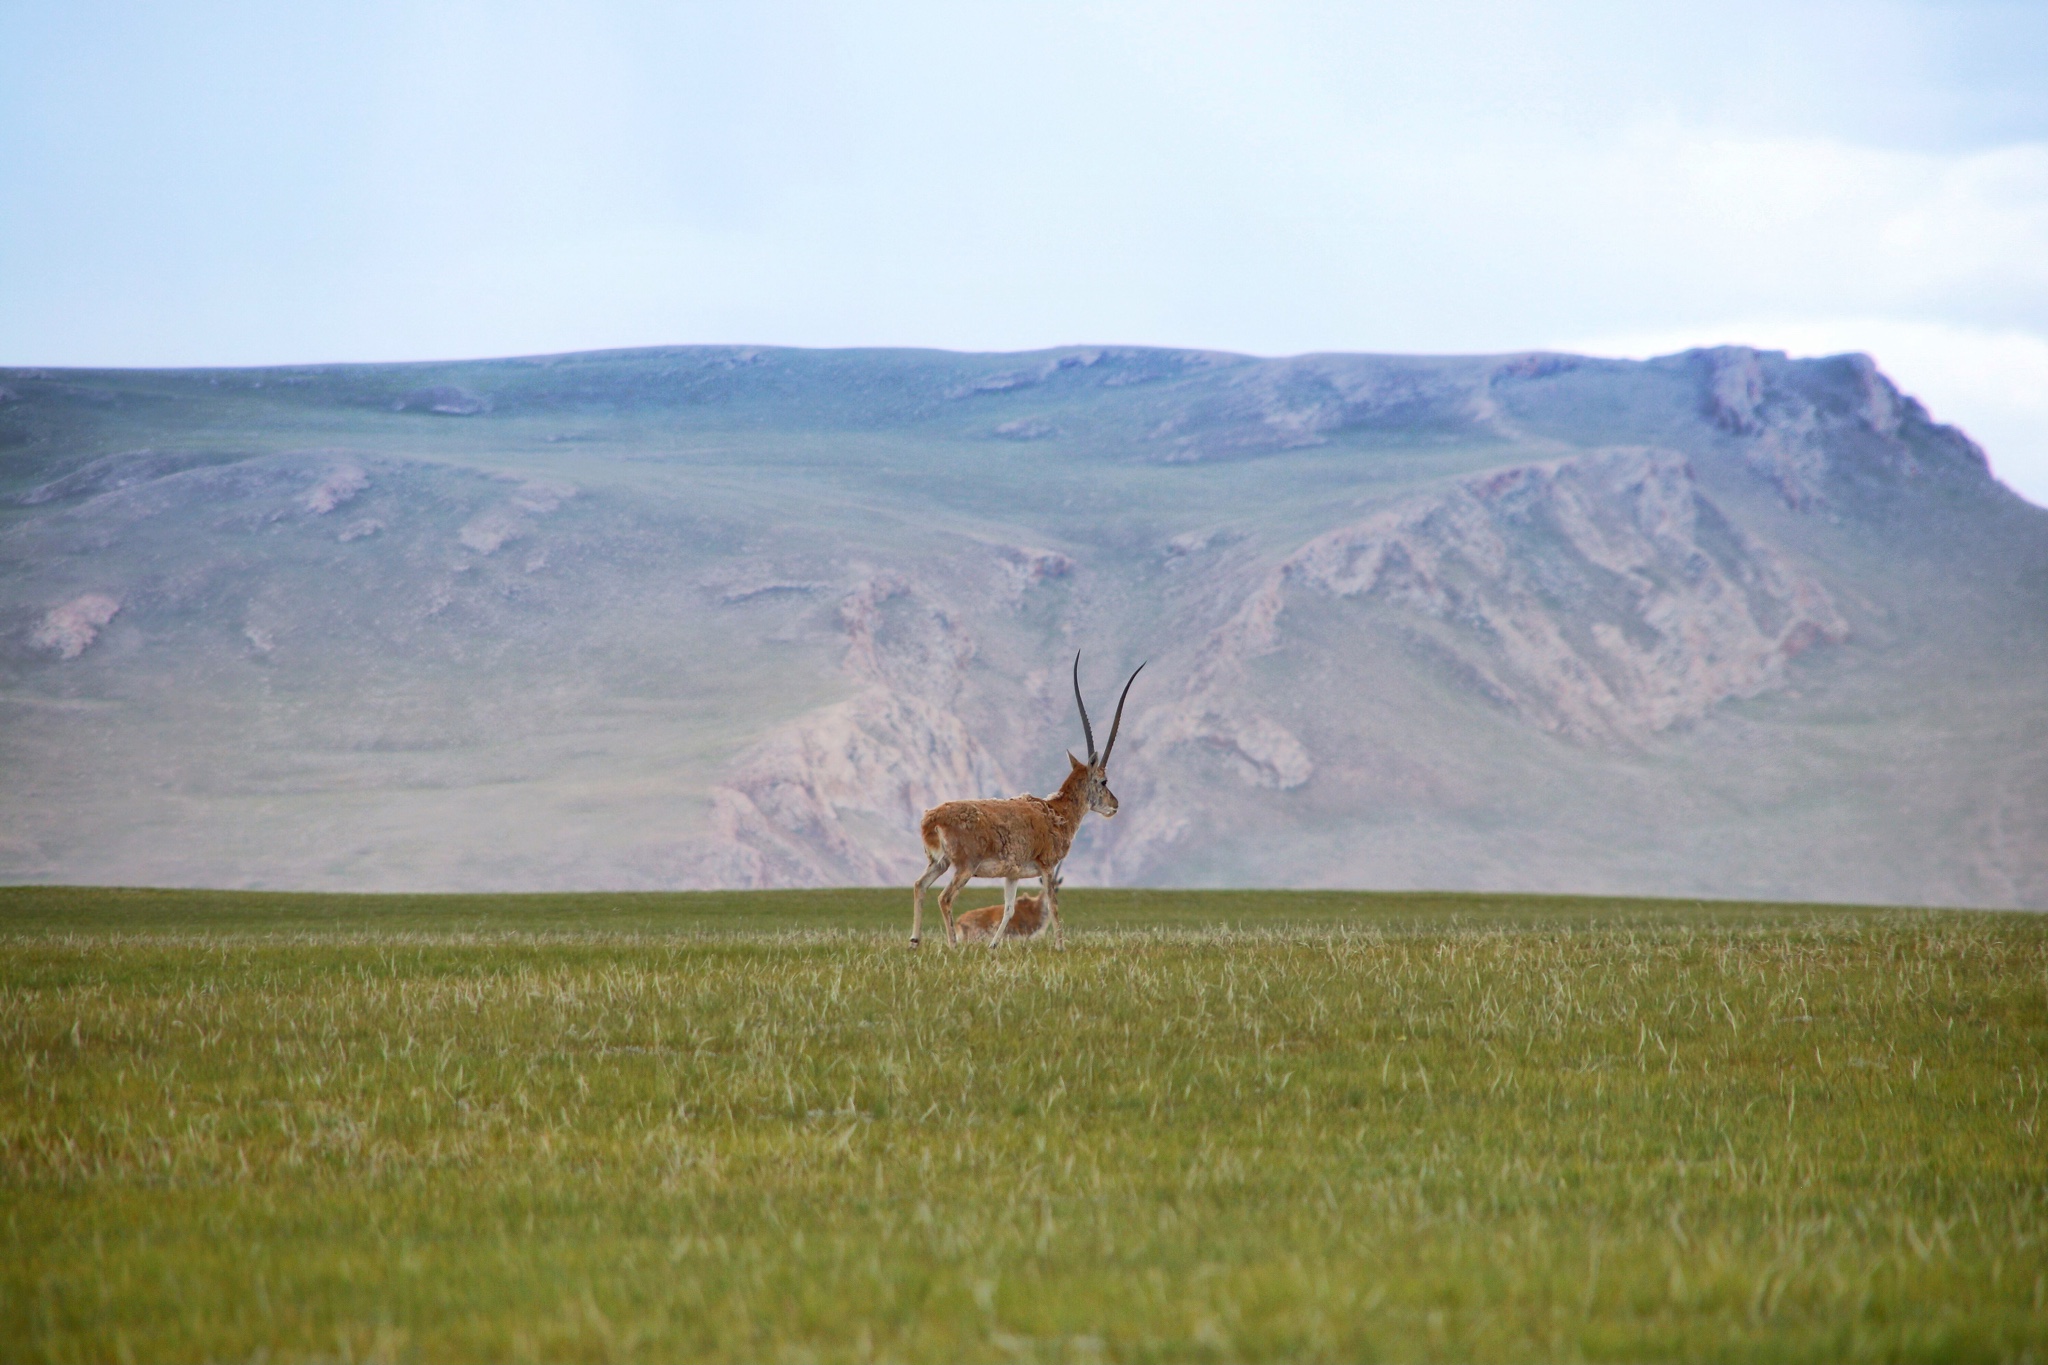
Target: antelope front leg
[[1009, 909], [1049, 892], [931, 874]]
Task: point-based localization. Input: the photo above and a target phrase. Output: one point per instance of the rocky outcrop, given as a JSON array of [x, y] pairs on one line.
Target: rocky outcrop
[[488, 531], [1813, 427], [69, 630], [334, 488], [1008, 381], [834, 796], [1601, 597]]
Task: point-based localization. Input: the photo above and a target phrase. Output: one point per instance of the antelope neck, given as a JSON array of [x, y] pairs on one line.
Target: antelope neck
[[1070, 801]]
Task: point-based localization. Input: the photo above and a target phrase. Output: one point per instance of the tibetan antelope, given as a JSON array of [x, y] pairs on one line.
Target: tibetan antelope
[[1029, 921], [1024, 836]]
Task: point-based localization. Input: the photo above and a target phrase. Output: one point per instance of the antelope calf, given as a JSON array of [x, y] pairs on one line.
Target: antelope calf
[[1023, 836], [975, 926]]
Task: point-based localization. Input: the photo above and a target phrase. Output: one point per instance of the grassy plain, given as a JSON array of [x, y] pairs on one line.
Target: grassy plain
[[1219, 1126]]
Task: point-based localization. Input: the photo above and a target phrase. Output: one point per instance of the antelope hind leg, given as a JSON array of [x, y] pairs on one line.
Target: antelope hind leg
[[960, 879], [931, 874]]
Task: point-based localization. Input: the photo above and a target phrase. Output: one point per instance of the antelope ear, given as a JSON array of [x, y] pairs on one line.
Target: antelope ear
[[1079, 766]]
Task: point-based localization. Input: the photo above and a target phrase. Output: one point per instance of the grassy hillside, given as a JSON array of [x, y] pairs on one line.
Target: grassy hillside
[[1219, 1126], [1721, 624]]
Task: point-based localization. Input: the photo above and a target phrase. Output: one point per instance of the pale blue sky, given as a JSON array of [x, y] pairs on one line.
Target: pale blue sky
[[228, 184]]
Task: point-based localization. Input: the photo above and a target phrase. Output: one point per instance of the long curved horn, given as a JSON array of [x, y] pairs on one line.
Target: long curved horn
[[1118, 722], [1087, 730]]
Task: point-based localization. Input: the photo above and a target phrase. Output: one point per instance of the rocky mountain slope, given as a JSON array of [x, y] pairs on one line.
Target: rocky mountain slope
[[1721, 623]]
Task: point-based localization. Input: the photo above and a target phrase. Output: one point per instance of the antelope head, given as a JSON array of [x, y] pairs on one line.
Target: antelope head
[[1095, 790]]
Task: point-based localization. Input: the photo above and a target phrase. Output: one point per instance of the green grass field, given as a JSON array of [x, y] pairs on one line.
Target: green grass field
[[1219, 1126]]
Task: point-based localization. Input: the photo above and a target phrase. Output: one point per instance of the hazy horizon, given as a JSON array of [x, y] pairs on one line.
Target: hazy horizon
[[219, 186]]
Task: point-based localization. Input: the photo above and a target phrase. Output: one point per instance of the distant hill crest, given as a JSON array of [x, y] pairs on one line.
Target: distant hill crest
[[1718, 623]]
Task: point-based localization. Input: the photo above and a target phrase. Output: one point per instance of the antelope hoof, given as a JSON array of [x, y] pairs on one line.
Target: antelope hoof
[[913, 943]]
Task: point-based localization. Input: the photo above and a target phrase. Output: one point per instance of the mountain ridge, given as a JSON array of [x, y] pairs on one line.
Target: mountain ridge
[[1716, 623]]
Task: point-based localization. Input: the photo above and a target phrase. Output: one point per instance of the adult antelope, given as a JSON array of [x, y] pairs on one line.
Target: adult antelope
[[1023, 836]]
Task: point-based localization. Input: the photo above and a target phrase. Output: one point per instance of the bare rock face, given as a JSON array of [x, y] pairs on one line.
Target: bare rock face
[[337, 486], [804, 806], [1598, 597], [489, 530], [69, 630], [1810, 427], [1601, 598]]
